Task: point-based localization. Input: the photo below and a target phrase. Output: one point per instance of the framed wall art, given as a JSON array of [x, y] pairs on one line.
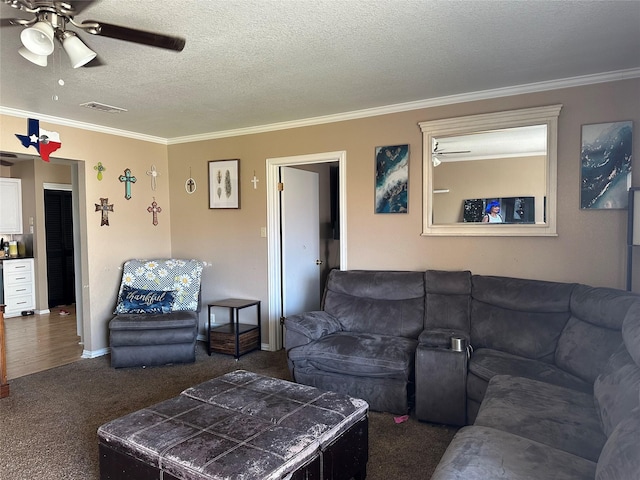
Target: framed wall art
[[224, 184], [605, 168], [392, 179]]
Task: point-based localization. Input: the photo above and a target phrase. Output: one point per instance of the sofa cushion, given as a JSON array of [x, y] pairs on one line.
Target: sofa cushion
[[155, 321], [620, 457], [312, 325], [481, 453], [137, 300], [519, 316], [556, 416], [381, 302], [486, 363], [363, 354], [448, 300], [593, 332], [631, 332], [583, 348], [616, 389], [605, 307]]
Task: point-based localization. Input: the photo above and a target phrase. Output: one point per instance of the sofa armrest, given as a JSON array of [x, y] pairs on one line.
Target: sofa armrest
[[309, 326], [440, 337]]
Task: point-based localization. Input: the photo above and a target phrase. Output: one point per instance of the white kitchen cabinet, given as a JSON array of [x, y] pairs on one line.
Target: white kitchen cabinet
[[10, 206], [19, 286]]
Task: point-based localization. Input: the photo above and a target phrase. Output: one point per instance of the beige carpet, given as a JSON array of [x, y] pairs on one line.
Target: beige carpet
[[48, 424]]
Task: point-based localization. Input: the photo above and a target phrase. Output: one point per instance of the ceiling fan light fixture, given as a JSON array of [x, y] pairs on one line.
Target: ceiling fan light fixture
[[38, 39], [79, 54], [40, 60]]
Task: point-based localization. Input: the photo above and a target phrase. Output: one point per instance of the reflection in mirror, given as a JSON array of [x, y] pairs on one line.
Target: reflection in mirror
[[504, 160], [489, 165]]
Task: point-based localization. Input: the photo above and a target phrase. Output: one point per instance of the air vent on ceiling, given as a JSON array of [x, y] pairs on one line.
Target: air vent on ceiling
[[103, 107]]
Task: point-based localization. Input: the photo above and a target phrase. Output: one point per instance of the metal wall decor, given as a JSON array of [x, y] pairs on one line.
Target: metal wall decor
[[128, 179], [99, 168], [155, 210], [190, 184], [153, 173], [104, 207], [44, 141]]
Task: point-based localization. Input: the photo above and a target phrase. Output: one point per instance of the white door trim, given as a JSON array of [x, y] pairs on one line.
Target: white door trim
[[273, 228]]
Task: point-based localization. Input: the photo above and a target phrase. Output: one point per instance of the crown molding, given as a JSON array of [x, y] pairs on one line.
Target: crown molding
[[578, 81], [81, 125]]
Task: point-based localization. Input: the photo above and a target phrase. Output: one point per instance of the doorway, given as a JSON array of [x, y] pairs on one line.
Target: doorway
[[58, 215], [274, 227]]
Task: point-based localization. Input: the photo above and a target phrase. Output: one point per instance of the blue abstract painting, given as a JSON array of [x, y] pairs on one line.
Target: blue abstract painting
[[392, 179], [606, 165]]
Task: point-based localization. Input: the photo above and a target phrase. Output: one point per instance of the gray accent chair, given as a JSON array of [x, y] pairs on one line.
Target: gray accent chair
[[362, 343], [154, 339]]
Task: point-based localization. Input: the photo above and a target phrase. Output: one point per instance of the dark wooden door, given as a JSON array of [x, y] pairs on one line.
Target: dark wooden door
[[59, 233]]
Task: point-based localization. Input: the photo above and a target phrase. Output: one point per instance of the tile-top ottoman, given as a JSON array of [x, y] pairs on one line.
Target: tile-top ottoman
[[240, 426]]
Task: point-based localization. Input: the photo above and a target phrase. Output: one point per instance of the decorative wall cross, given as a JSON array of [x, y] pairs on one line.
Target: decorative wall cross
[[255, 180], [190, 185], [128, 179], [105, 208], [99, 168], [153, 173], [155, 209]]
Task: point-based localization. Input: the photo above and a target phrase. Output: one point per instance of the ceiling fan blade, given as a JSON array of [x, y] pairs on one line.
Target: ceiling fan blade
[[6, 159], [127, 34], [451, 153], [80, 5], [13, 22]]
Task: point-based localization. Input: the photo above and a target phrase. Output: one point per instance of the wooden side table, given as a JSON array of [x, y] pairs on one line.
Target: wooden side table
[[234, 338]]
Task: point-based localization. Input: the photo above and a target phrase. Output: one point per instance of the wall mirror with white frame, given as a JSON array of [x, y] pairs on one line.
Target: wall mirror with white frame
[[505, 160]]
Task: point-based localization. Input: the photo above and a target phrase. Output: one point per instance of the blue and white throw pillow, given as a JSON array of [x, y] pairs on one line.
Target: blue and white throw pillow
[[137, 300], [182, 277]]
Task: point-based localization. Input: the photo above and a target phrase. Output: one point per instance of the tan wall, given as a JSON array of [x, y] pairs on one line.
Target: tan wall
[[130, 233], [590, 247]]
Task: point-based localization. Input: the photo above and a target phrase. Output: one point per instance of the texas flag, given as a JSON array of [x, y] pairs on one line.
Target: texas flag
[[46, 142]]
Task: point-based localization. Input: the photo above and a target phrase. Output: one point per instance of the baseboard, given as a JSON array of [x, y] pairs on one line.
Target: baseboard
[[43, 312], [95, 353]]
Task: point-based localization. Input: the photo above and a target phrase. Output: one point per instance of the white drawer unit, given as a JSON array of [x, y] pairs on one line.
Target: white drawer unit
[[19, 291]]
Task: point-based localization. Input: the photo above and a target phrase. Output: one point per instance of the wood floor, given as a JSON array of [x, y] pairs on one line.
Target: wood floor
[[41, 342]]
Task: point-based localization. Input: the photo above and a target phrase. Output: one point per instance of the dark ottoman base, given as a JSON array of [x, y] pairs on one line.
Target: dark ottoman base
[[240, 425]]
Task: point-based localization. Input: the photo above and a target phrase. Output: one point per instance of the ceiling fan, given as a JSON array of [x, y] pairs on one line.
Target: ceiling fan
[[441, 152], [436, 152], [50, 20]]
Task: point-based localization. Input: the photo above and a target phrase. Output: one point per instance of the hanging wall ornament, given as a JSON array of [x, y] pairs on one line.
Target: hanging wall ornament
[[44, 141], [128, 179], [190, 184], [255, 180], [155, 210], [99, 168], [105, 208], [153, 173]]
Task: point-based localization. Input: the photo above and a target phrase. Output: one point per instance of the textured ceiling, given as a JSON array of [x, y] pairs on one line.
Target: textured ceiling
[[249, 63]]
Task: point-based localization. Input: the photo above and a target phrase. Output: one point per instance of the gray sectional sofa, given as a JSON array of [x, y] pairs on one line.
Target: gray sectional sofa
[[549, 389]]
